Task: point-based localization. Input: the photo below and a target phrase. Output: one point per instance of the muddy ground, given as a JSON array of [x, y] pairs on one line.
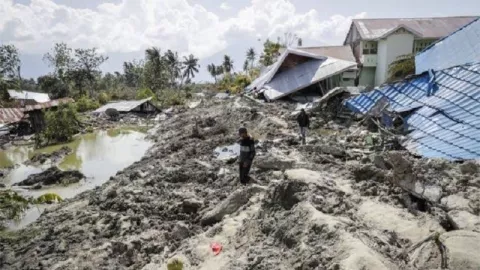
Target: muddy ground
[[332, 204]]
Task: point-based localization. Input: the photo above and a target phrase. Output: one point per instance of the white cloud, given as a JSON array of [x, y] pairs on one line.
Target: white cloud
[[225, 6], [134, 25]]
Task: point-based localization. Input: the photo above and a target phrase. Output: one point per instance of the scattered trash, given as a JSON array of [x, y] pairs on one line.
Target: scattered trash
[[216, 248]]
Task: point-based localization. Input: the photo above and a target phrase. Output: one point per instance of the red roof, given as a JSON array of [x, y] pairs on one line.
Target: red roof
[[10, 115]]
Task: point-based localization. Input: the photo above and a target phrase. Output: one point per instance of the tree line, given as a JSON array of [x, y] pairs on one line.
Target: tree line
[[76, 72]]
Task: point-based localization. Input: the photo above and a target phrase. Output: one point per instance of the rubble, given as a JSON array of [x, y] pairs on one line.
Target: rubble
[[332, 204], [54, 157], [52, 176]]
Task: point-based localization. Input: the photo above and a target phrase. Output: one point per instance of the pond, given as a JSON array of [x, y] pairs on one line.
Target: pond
[[98, 156]]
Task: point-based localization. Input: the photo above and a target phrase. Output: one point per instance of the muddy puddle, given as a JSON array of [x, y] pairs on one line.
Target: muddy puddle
[[98, 156], [227, 152]]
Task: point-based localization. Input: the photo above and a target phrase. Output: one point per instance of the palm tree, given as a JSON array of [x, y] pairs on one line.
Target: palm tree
[[403, 66], [227, 64], [251, 55], [191, 66], [245, 66], [174, 66], [212, 69]]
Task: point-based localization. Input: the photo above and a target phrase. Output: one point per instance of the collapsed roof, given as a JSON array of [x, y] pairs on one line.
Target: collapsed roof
[[123, 106], [443, 107], [295, 70]]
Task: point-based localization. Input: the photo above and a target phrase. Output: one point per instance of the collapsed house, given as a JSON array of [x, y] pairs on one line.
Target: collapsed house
[[144, 106], [297, 70], [440, 107], [29, 118]]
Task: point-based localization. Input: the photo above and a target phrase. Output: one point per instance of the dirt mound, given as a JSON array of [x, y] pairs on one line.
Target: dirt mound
[[52, 176]]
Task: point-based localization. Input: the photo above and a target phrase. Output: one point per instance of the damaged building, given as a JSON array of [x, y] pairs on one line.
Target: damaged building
[[441, 104], [299, 72], [144, 106]]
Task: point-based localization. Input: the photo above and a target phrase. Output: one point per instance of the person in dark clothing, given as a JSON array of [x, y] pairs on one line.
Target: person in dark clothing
[[304, 123], [247, 153]]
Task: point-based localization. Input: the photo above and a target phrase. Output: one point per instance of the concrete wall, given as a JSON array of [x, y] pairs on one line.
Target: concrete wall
[[367, 77], [381, 70], [389, 50]]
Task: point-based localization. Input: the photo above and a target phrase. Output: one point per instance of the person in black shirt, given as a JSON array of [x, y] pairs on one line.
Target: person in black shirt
[[304, 123], [247, 153]]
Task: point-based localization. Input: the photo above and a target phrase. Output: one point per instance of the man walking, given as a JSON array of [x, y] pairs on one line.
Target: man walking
[[247, 153], [304, 123]]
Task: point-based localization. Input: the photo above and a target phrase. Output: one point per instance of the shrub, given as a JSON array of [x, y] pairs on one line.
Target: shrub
[[146, 93], [61, 124], [85, 104], [169, 97], [103, 98]]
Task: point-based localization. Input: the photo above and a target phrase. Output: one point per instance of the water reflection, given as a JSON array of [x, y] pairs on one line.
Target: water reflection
[[97, 155]]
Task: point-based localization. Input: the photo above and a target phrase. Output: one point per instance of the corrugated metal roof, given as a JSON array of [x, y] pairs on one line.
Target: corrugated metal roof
[[10, 115], [463, 46], [447, 121], [122, 106], [272, 70], [339, 52], [22, 94], [304, 75], [434, 28], [49, 104]]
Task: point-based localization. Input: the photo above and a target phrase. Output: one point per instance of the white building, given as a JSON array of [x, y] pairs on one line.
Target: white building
[[376, 43]]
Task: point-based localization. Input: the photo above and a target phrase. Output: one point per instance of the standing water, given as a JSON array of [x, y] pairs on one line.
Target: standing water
[[98, 156]]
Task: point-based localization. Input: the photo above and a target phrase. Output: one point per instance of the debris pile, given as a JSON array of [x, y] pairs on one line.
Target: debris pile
[[335, 203]]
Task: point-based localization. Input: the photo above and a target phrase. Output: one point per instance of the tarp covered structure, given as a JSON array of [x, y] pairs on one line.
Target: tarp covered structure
[[445, 111], [128, 106], [462, 46], [296, 70]]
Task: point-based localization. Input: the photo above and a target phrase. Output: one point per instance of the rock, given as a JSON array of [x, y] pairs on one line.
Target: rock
[[191, 205], [455, 202], [469, 168], [380, 163], [271, 163], [231, 204], [462, 249], [325, 149], [181, 231], [463, 220], [113, 114], [55, 156], [52, 176]]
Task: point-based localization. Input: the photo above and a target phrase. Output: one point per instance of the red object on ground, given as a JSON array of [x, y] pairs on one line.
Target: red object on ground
[[216, 248]]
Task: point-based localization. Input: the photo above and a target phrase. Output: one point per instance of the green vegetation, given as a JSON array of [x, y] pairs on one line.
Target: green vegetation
[[61, 124], [84, 104], [13, 205], [146, 93], [169, 97], [175, 264], [402, 67]]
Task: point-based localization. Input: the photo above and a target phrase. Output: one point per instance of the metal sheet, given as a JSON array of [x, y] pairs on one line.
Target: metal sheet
[[122, 106], [463, 46], [49, 104], [446, 123], [304, 75], [10, 115], [21, 94], [433, 28], [339, 52]]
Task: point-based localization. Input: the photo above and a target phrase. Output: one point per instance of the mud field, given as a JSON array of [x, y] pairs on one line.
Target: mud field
[[332, 204]]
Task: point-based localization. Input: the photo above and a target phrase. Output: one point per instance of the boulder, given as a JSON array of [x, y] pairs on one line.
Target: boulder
[[52, 176], [462, 249], [455, 202], [112, 113], [272, 163], [463, 220]]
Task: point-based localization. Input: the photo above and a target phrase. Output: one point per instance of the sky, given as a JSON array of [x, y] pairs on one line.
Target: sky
[[208, 29]]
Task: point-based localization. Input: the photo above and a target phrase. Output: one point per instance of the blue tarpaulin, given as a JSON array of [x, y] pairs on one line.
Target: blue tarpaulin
[[445, 111]]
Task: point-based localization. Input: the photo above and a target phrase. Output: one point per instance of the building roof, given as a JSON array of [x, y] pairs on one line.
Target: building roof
[[122, 106], [462, 46], [295, 70], [49, 104], [445, 121], [10, 115], [22, 94], [434, 28], [339, 52]]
